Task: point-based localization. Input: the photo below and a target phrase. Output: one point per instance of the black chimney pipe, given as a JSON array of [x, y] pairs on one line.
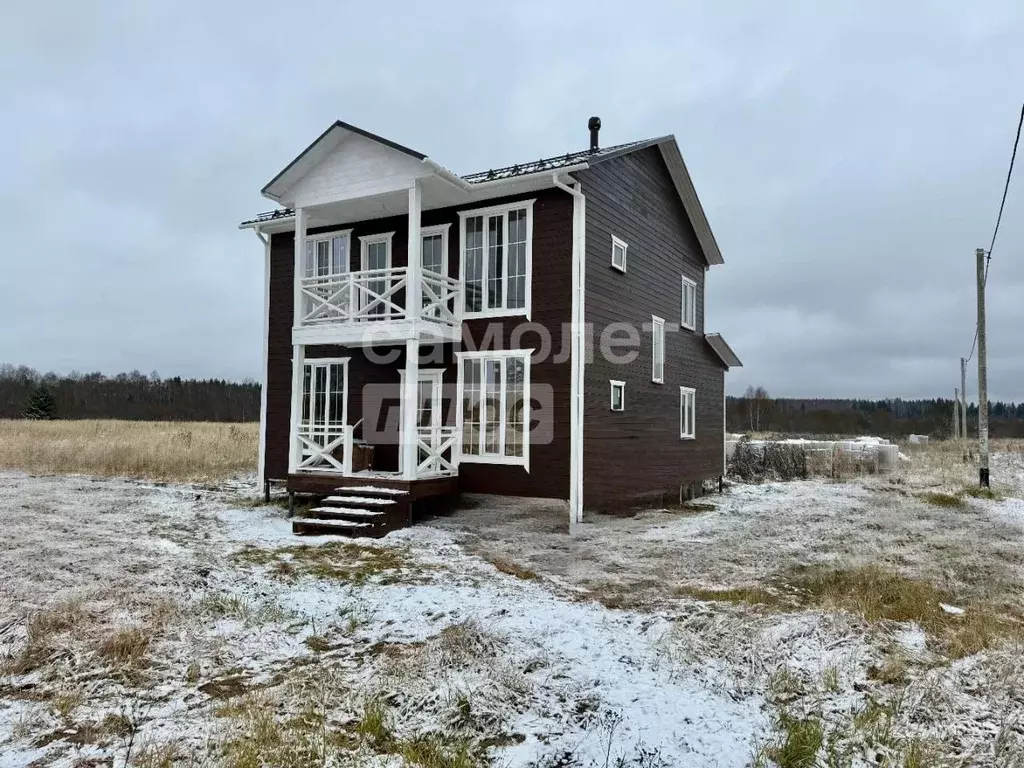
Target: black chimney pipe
[[594, 124]]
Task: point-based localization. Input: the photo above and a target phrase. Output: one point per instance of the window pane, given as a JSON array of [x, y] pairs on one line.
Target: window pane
[[617, 397], [337, 394], [323, 257], [658, 371], [495, 260], [471, 407], [515, 406], [339, 255], [319, 394], [474, 267], [492, 406], [516, 298], [432, 254], [305, 393], [309, 258]]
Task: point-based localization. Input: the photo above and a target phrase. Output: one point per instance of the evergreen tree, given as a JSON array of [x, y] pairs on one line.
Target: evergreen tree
[[41, 405]]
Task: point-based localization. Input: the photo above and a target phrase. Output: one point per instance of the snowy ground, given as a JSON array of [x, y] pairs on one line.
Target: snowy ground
[[157, 625]]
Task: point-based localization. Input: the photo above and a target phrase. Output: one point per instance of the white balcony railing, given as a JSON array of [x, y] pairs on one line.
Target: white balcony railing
[[436, 450], [376, 295]]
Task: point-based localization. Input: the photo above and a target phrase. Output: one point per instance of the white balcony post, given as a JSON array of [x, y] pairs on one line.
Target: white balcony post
[[413, 286], [410, 402], [294, 448], [300, 256]]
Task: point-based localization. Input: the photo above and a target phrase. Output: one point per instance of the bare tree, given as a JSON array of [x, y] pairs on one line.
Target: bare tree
[[757, 398]]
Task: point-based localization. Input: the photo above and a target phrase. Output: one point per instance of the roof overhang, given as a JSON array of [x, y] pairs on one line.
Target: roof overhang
[[688, 194], [723, 350]]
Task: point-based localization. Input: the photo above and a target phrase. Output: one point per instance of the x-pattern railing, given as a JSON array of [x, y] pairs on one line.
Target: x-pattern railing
[[369, 295], [436, 449], [440, 297]]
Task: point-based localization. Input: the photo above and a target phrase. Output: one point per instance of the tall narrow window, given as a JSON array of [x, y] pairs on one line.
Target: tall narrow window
[[325, 267], [618, 396], [496, 255], [689, 309], [619, 249], [434, 257], [657, 350], [377, 280], [323, 414], [494, 406], [687, 413]]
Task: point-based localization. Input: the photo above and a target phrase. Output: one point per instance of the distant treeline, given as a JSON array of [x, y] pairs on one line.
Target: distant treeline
[[132, 396], [884, 418]]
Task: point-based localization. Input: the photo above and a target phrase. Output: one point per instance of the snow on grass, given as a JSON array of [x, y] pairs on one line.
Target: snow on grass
[[539, 678]]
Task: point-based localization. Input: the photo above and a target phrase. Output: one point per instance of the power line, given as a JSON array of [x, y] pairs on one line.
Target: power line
[[999, 219]]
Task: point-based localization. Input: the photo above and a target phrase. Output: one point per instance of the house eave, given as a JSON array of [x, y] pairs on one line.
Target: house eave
[[722, 350]]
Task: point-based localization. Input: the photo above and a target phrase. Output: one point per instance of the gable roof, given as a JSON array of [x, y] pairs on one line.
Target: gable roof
[[723, 350], [330, 137], [570, 160]]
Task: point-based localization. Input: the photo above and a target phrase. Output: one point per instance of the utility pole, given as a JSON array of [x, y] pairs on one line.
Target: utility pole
[[963, 403], [983, 478], [956, 414]]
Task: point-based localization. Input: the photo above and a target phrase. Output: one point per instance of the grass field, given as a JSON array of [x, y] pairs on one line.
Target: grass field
[[158, 450]]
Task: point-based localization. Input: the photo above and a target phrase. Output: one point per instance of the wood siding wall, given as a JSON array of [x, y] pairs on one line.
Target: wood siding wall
[[550, 374], [637, 454]]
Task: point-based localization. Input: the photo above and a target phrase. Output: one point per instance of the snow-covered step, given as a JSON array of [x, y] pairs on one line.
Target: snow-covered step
[[339, 524], [346, 512], [368, 500], [350, 490]]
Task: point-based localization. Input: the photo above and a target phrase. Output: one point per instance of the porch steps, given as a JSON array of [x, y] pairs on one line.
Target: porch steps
[[357, 511]]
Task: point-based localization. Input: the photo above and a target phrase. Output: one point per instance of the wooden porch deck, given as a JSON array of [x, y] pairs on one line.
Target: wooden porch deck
[[404, 500]]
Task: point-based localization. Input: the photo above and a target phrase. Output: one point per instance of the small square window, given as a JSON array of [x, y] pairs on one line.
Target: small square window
[[687, 413], [688, 314], [618, 396], [619, 249]]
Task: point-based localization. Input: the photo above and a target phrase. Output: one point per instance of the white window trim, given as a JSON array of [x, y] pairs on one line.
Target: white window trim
[[616, 241], [345, 234], [367, 240], [437, 229], [492, 211], [656, 323], [693, 306], [520, 461], [688, 394], [611, 393]]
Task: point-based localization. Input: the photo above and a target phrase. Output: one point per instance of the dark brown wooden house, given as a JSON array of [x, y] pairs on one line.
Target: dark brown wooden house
[[547, 338]]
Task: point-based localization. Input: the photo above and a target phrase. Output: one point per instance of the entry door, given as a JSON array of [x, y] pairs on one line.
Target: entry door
[[428, 411]]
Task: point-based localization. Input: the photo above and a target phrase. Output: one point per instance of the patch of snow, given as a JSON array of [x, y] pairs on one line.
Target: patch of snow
[[952, 610]]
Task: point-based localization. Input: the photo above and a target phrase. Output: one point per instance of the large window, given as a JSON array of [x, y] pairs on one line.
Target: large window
[[657, 350], [687, 413], [689, 308], [322, 423], [496, 255], [494, 406]]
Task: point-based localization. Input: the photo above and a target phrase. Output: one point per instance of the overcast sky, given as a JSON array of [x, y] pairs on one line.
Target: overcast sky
[[850, 157]]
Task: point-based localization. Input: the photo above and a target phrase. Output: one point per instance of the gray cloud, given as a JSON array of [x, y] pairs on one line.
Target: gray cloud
[[850, 158]]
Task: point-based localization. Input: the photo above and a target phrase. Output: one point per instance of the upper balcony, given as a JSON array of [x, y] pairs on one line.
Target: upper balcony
[[371, 306]]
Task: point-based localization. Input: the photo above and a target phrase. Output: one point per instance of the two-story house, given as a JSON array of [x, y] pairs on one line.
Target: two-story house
[[545, 339]]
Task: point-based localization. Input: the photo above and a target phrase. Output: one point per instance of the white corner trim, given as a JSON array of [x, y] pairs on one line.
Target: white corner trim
[[262, 460], [620, 243], [577, 346]]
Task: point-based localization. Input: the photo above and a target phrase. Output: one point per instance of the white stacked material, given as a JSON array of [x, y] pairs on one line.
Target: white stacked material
[[875, 451], [918, 439]]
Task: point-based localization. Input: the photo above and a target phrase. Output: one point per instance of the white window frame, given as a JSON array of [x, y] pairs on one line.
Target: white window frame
[[687, 407], [434, 231], [495, 458], [329, 237], [657, 349], [496, 210], [621, 385], [364, 247], [690, 323], [308, 428], [620, 243]]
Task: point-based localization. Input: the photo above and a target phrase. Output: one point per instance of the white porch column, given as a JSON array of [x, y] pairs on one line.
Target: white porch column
[[294, 451], [300, 257], [410, 452], [414, 296]]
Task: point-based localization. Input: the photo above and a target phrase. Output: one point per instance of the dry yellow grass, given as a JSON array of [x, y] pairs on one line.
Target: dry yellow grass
[[158, 450]]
